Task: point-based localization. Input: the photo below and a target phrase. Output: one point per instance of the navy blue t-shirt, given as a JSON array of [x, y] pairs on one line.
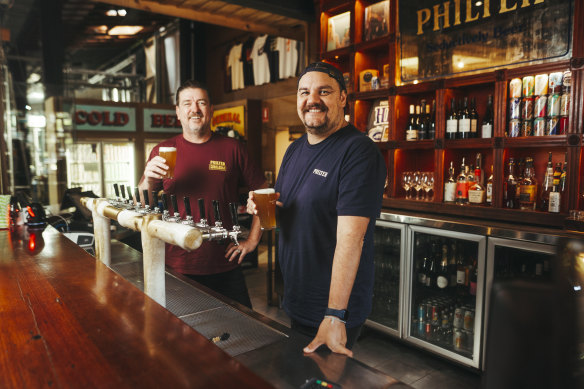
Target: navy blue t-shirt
[[343, 175]]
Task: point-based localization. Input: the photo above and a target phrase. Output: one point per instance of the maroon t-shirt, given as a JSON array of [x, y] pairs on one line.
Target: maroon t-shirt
[[214, 170]]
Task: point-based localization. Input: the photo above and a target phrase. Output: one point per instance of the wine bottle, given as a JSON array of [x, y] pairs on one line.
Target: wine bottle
[[510, 187], [547, 185], [487, 125], [422, 121], [443, 277], [564, 174], [474, 119], [432, 118], [411, 129], [452, 267], [461, 271], [452, 122], [464, 121], [489, 189], [450, 185]]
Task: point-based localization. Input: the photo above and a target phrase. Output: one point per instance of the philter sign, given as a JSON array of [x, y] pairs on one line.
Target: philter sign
[[104, 118], [161, 120], [440, 38]]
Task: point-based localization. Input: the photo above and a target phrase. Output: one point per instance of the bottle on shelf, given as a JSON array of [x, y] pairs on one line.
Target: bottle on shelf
[[489, 189], [452, 267], [461, 274], [564, 174], [431, 271], [476, 192], [412, 129], [423, 122], [462, 185], [528, 189], [432, 120], [473, 272], [547, 185], [474, 119], [450, 186], [487, 124], [443, 276], [452, 121], [510, 187], [464, 121], [555, 200], [423, 271]]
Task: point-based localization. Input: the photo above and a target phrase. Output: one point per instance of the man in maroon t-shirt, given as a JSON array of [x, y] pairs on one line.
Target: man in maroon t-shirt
[[212, 167]]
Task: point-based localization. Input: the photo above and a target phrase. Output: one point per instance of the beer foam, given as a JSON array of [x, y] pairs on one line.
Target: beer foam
[[265, 191], [166, 149]]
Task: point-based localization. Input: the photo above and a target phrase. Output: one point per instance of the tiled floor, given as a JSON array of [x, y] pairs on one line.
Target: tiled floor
[[410, 365]]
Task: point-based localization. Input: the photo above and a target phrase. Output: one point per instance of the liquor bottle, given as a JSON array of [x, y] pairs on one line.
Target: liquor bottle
[[450, 186], [462, 186], [510, 187], [555, 200], [563, 175], [474, 119], [452, 122], [432, 117], [469, 171], [489, 189], [487, 126], [422, 121], [464, 121], [528, 189], [452, 267], [547, 185], [461, 271], [411, 129], [476, 192], [443, 277]]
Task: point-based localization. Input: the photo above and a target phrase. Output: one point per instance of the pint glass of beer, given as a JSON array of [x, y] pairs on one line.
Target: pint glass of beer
[[265, 200], [169, 154]]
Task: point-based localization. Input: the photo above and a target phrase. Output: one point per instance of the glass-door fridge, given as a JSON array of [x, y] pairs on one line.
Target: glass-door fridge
[[444, 295], [96, 166], [389, 243]]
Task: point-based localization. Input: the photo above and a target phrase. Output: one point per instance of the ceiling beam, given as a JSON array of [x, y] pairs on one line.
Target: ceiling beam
[[210, 18]]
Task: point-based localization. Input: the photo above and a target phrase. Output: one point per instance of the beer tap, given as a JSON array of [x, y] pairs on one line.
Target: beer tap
[[189, 217], [123, 198], [155, 208], [146, 208], [236, 230], [216, 232], [130, 199], [176, 216], [202, 224], [138, 203], [165, 213], [116, 201]]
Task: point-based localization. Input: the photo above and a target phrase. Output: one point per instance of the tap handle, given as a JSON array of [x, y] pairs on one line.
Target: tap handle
[[216, 210], [130, 194], [137, 195], [174, 203], [187, 202], [146, 199], [154, 199], [201, 202], [123, 190], [233, 210], [117, 190], [164, 202]]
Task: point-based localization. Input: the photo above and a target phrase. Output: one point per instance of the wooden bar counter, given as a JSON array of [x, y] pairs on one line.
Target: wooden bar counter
[[67, 320]]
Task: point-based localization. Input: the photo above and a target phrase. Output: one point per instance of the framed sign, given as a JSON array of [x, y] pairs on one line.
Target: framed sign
[[231, 119], [104, 118], [161, 120], [440, 38]]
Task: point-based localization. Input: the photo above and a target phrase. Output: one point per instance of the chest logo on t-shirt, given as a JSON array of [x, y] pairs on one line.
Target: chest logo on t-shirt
[[320, 173], [217, 165]]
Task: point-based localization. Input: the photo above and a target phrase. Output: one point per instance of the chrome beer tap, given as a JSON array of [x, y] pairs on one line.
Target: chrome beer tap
[[130, 198], [176, 215], [236, 230], [138, 207], [217, 232], [155, 208], [189, 217], [165, 212], [146, 208], [202, 224], [116, 202]]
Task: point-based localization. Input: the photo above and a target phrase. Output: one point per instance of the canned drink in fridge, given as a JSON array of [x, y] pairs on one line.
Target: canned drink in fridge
[[528, 86], [515, 88], [469, 341], [539, 126], [458, 321], [527, 128], [554, 105], [458, 340], [514, 128], [553, 126], [565, 104], [422, 312], [540, 107], [428, 330], [469, 320], [527, 108], [435, 313], [555, 82], [515, 108], [420, 327], [541, 84], [563, 125]]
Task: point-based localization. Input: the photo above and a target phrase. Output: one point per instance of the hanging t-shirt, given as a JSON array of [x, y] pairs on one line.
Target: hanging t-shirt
[[213, 170], [247, 61], [261, 66], [288, 55], [343, 175], [273, 57], [300, 62], [234, 62]]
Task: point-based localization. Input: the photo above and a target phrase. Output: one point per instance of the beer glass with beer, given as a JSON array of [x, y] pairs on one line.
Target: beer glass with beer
[[265, 200], [169, 154]]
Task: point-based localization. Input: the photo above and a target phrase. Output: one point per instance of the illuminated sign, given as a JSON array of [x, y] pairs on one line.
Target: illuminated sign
[[161, 120]]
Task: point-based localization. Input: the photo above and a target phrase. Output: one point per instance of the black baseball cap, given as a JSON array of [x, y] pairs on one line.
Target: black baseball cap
[[326, 68]]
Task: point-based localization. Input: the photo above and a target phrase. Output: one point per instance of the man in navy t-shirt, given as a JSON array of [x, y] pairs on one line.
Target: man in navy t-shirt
[[331, 184]]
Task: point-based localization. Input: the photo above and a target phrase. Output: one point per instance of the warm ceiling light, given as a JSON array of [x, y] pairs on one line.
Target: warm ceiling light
[[122, 12], [460, 64], [100, 29], [111, 12], [125, 30]]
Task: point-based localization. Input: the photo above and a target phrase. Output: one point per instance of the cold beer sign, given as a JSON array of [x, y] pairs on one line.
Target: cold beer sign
[[161, 120], [104, 118], [441, 38]]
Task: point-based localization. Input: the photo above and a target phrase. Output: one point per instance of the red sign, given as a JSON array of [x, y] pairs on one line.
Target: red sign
[[265, 115]]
